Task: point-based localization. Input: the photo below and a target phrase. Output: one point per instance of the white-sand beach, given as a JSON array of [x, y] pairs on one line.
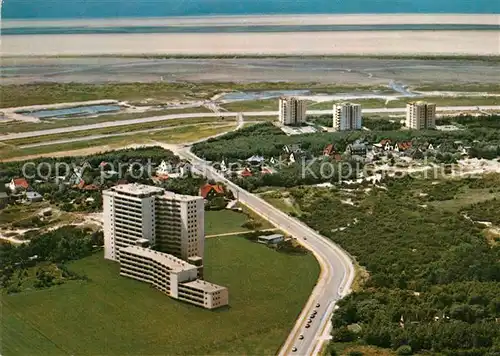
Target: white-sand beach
[[374, 42], [272, 43]]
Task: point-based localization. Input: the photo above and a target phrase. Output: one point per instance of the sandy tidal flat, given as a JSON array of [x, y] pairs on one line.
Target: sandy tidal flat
[[293, 20], [277, 43]]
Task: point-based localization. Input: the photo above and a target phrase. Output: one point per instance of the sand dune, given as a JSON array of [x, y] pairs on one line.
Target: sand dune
[[300, 43]]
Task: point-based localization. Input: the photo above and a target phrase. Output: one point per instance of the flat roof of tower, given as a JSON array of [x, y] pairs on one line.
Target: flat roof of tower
[[137, 189], [204, 286], [175, 196]]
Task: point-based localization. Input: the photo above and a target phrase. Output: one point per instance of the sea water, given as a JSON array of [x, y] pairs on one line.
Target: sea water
[[77, 9]]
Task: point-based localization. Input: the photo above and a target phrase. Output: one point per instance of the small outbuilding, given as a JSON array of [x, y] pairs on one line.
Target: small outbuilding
[[33, 197], [270, 239]]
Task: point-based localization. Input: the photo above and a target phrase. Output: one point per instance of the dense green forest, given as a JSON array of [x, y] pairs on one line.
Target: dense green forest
[[434, 279], [372, 124]]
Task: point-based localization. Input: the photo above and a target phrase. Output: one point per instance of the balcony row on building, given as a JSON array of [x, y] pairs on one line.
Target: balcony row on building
[[172, 276], [348, 116]]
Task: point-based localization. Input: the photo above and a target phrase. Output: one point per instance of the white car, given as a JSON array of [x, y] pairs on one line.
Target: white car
[[294, 349]]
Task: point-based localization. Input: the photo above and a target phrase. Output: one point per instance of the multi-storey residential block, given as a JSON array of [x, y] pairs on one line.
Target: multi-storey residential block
[[420, 115], [346, 116], [180, 225], [137, 217], [292, 111], [129, 216], [172, 276], [173, 223]]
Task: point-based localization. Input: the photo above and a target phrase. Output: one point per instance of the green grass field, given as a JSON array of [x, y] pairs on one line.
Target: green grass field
[[401, 103], [113, 315], [158, 92], [172, 135], [281, 204], [252, 105], [463, 199], [20, 126], [227, 221], [120, 129], [450, 101], [366, 103]]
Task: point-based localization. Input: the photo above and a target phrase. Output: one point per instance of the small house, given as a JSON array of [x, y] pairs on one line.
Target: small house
[[18, 184], [246, 173], [403, 146], [33, 197], [91, 187], [255, 160], [386, 145], [329, 150], [357, 149], [208, 191], [294, 148], [270, 239], [223, 166], [163, 168]]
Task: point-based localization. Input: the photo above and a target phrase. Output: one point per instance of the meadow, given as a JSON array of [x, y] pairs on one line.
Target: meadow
[[172, 135], [113, 315]]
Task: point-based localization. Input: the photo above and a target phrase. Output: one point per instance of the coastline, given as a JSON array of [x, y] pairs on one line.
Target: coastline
[[462, 43], [252, 20]]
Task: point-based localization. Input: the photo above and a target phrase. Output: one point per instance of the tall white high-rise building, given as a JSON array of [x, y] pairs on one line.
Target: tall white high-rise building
[[138, 216], [173, 223], [180, 225], [292, 111], [347, 116], [420, 115]]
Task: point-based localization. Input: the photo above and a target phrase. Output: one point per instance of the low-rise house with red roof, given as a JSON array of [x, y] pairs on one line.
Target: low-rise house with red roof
[[18, 184], [91, 187], [403, 146], [329, 150], [208, 191], [246, 173], [80, 185]]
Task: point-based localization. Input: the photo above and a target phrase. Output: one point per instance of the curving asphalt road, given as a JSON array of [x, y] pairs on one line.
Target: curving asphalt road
[[337, 270], [19, 135]]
